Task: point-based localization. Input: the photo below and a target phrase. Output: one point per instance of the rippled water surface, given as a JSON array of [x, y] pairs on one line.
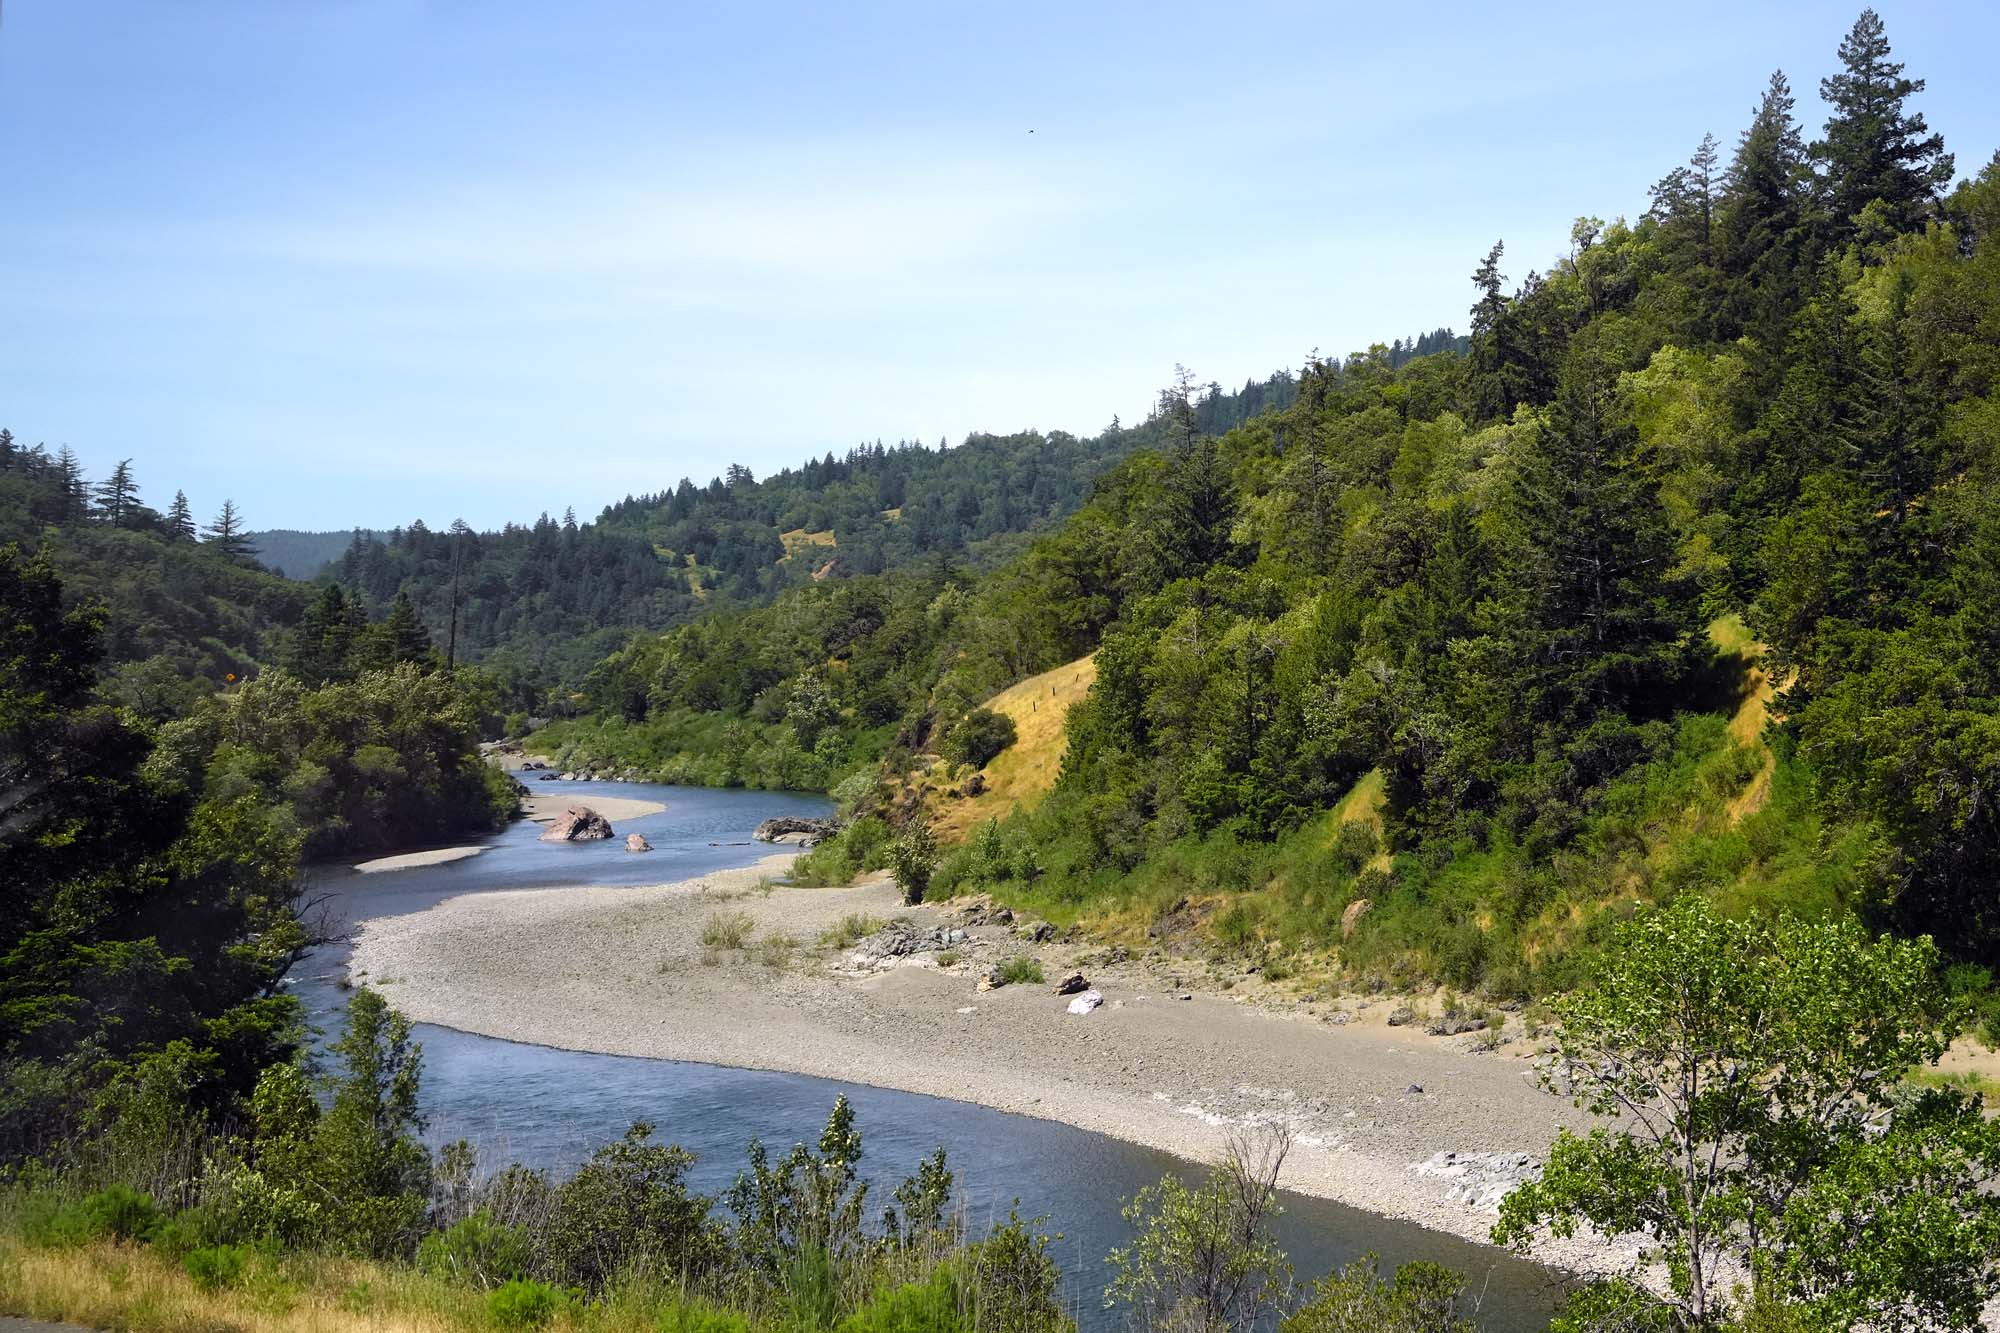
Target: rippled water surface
[[550, 1108]]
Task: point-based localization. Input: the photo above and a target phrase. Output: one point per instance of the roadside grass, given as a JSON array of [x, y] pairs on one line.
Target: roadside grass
[[775, 951]]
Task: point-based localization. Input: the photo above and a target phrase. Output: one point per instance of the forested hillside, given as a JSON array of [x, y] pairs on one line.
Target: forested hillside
[[541, 602], [1505, 591]]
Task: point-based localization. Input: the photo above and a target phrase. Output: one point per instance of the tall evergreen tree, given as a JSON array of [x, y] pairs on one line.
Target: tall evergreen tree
[[1874, 148], [1761, 221], [118, 495], [226, 533], [73, 491], [180, 518]]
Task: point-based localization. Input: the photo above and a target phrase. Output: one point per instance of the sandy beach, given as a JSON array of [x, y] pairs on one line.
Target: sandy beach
[[1173, 1059], [411, 860], [542, 806]]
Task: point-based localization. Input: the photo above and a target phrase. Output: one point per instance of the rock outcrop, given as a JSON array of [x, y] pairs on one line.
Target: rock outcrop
[[636, 842], [577, 823], [785, 826]]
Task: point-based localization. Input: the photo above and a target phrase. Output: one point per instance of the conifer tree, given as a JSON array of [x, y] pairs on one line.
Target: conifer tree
[[180, 518], [1761, 220], [1874, 148], [118, 495], [72, 489], [226, 533]]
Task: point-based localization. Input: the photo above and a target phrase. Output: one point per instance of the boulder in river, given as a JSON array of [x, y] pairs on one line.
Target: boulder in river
[[636, 842], [577, 823]]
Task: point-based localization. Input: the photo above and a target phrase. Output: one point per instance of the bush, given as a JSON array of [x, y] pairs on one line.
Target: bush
[[846, 932], [523, 1303], [117, 1213], [629, 1206], [913, 859], [978, 737], [728, 930], [915, 1307], [1017, 970], [1016, 1286], [477, 1250], [1422, 1298], [215, 1267]]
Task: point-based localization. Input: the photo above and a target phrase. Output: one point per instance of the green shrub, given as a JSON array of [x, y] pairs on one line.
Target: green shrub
[[117, 1213], [628, 1207], [695, 1317], [1018, 970], [728, 930], [523, 1303], [979, 736], [1016, 1286], [215, 1267], [913, 859], [477, 1250], [846, 932], [915, 1307], [1422, 1298]]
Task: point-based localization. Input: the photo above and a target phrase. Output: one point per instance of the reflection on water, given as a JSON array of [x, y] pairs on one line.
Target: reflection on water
[[551, 1108]]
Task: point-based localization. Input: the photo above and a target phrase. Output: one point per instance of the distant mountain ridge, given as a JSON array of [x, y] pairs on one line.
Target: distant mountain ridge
[[299, 555]]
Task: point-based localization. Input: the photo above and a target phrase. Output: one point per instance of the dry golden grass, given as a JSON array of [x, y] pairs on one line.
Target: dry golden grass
[[113, 1286], [1363, 804], [1023, 772], [798, 541], [1746, 727]]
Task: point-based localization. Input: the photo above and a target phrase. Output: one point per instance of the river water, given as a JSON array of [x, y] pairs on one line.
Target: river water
[[547, 1107]]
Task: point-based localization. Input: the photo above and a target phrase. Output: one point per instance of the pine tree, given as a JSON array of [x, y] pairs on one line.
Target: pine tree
[[118, 495], [226, 533], [1487, 389], [1873, 148], [1760, 224], [399, 638], [180, 519], [7, 450], [71, 487]]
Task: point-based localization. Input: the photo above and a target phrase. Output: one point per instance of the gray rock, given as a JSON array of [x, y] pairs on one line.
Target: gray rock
[[577, 823], [1401, 1015], [1451, 1025], [773, 829], [1071, 984]]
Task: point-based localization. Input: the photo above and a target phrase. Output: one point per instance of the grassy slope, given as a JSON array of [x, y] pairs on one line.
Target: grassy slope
[[1717, 811], [1022, 774]]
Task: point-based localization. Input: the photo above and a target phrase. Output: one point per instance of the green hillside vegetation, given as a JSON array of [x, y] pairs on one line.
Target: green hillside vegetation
[[1524, 588], [540, 603]]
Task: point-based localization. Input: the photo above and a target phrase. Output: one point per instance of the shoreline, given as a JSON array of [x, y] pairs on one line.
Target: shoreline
[[1169, 1062]]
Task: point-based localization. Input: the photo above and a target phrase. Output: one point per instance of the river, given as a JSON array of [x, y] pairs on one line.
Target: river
[[550, 1108]]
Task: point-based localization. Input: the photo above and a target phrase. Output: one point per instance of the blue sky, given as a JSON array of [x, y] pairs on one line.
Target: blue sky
[[362, 262]]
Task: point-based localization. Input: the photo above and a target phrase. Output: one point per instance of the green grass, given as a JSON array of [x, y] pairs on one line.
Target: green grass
[[1961, 1080], [727, 930], [1018, 970], [848, 931]]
